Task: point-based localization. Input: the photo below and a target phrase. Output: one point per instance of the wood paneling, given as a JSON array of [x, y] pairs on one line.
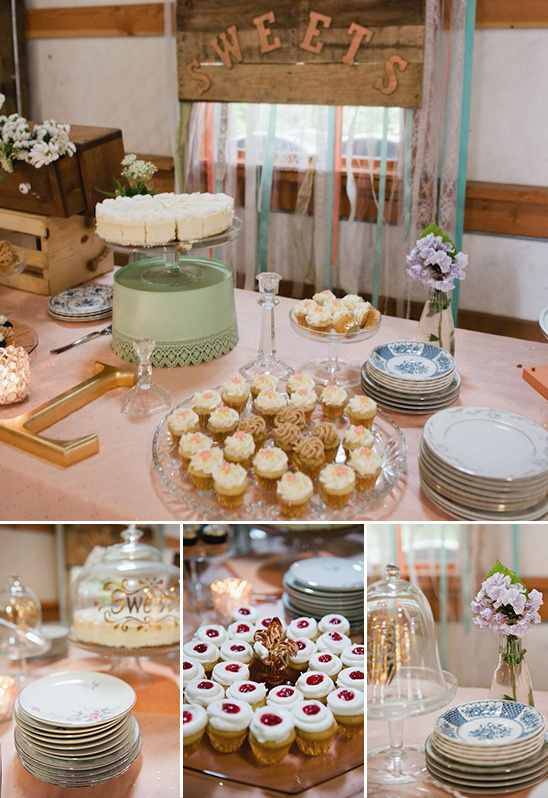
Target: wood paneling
[[509, 14], [139, 19]]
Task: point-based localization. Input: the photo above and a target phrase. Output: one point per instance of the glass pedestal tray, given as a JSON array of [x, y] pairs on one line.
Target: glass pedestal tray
[[126, 663], [258, 503], [331, 370], [294, 774]]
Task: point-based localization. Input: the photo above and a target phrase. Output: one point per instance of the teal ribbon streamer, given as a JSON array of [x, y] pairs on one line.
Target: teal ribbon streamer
[[515, 548], [266, 192], [407, 176], [444, 604], [469, 29], [329, 197], [466, 595], [380, 211]]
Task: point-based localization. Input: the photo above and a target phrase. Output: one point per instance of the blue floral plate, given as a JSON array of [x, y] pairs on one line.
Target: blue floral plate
[[412, 360], [490, 724]]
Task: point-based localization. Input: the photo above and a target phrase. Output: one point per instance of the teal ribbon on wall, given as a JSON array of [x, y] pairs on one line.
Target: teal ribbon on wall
[[515, 548], [380, 211], [407, 174], [266, 192], [466, 593], [329, 197]]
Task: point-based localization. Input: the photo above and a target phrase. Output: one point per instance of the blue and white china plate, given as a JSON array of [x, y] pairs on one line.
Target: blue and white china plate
[[524, 767], [488, 443], [82, 301], [490, 723], [412, 361]]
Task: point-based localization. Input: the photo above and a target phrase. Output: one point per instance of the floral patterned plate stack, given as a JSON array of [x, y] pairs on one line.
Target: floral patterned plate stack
[[411, 377], [489, 747], [75, 729]]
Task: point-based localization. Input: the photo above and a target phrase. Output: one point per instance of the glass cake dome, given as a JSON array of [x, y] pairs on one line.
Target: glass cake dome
[[128, 602]]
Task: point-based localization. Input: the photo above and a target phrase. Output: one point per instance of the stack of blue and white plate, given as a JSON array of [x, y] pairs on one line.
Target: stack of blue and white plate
[[489, 747], [317, 586], [82, 303], [411, 377]]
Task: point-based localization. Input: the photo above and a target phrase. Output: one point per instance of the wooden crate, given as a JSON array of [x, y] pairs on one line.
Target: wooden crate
[[71, 184], [60, 252]]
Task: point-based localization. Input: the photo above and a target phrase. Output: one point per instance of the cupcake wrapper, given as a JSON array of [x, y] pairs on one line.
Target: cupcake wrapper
[[238, 405], [201, 482], [230, 501], [267, 416], [267, 483], [365, 483], [316, 744], [350, 731], [269, 754], [335, 500], [244, 463], [330, 454], [296, 510], [364, 422], [332, 411], [191, 744], [221, 436], [226, 743]]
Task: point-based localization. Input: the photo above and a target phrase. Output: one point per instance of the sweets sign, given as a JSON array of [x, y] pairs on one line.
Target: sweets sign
[[361, 52]]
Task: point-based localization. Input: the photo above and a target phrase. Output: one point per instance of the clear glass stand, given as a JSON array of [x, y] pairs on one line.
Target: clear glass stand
[[396, 763], [267, 361], [146, 396], [126, 663]]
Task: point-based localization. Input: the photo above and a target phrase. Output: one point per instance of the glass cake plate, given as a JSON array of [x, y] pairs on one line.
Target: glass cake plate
[[258, 503]]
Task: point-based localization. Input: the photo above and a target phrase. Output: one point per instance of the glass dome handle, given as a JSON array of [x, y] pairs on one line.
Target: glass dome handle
[[392, 574], [132, 534]]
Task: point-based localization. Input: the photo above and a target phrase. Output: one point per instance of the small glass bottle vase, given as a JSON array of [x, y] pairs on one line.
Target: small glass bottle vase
[[436, 325], [511, 679]]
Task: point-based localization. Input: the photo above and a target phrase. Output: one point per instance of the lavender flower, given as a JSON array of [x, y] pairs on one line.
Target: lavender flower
[[504, 605], [434, 262]]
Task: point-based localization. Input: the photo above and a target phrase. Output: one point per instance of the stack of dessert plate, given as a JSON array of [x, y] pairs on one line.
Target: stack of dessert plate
[[82, 303], [490, 747], [321, 585], [75, 729], [58, 638], [411, 377], [481, 463]]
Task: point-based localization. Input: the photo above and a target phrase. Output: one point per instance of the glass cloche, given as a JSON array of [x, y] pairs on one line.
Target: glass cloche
[[20, 622], [128, 602], [404, 675]]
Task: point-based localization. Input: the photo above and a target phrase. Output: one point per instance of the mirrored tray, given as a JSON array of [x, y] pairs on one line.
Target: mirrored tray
[[258, 503], [295, 773]]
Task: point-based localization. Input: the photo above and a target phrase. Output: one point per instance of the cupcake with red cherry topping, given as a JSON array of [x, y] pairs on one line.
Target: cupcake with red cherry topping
[[237, 650], [245, 612], [204, 403], [315, 685], [192, 669], [315, 727], [333, 622], [271, 734], [302, 627], [181, 420], [241, 630], [228, 722], [300, 660], [264, 622], [203, 692], [351, 677], [207, 654], [285, 696], [354, 656], [235, 393], [325, 662], [347, 706], [253, 693], [194, 724], [230, 671], [334, 642], [214, 633]]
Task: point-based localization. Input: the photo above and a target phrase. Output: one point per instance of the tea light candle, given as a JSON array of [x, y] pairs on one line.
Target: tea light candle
[[7, 697], [14, 375], [227, 594]]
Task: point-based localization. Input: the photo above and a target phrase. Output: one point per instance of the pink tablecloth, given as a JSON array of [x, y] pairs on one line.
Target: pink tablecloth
[[156, 771], [120, 482], [416, 730]]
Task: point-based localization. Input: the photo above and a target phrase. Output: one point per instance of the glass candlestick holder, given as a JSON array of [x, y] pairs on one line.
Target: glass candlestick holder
[[267, 361], [146, 396]]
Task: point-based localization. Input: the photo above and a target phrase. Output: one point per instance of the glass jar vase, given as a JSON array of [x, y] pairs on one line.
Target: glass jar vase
[[436, 325], [511, 680]]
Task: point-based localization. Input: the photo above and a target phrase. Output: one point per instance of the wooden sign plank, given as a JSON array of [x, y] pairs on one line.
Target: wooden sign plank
[[362, 52]]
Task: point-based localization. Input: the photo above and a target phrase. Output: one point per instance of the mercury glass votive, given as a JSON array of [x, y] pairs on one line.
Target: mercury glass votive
[[227, 594], [14, 375], [7, 697]]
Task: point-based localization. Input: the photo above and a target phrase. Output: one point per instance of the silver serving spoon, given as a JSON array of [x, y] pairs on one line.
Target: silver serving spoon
[[105, 331]]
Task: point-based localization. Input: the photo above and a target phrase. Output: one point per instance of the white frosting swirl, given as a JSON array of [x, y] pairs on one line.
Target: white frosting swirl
[[314, 684], [325, 662], [205, 461], [337, 477], [323, 296], [263, 382], [246, 690], [213, 633], [204, 657], [265, 731], [354, 656], [362, 404], [223, 418], [334, 623], [206, 400], [334, 642], [203, 691], [333, 395], [353, 300], [365, 462], [244, 634], [284, 697], [270, 399], [302, 627], [297, 381], [245, 612], [305, 398], [351, 677], [195, 671], [235, 387], [230, 671], [237, 650], [346, 701], [294, 487], [302, 307], [193, 442], [194, 719], [361, 312], [356, 436], [306, 649], [229, 476], [182, 419], [229, 716], [270, 461], [318, 316], [312, 716], [240, 445]]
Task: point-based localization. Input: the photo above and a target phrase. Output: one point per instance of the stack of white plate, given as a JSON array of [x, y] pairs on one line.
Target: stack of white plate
[[411, 377], [490, 747], [58, 638], [75, 729], [82, 303], [481, 463], [320, 585]]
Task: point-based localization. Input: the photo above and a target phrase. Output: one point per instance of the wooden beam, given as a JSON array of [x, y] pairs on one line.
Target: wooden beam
[[504, 209], [509, 14], [139, 19]]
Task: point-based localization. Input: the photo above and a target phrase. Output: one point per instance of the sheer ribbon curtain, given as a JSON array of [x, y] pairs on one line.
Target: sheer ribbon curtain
[[334, 197]]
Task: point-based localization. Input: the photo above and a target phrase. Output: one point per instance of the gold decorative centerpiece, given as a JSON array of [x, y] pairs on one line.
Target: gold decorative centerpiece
[[388, 644], [274, 667]]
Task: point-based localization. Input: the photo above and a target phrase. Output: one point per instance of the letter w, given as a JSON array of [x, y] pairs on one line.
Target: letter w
[[225, 49]]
